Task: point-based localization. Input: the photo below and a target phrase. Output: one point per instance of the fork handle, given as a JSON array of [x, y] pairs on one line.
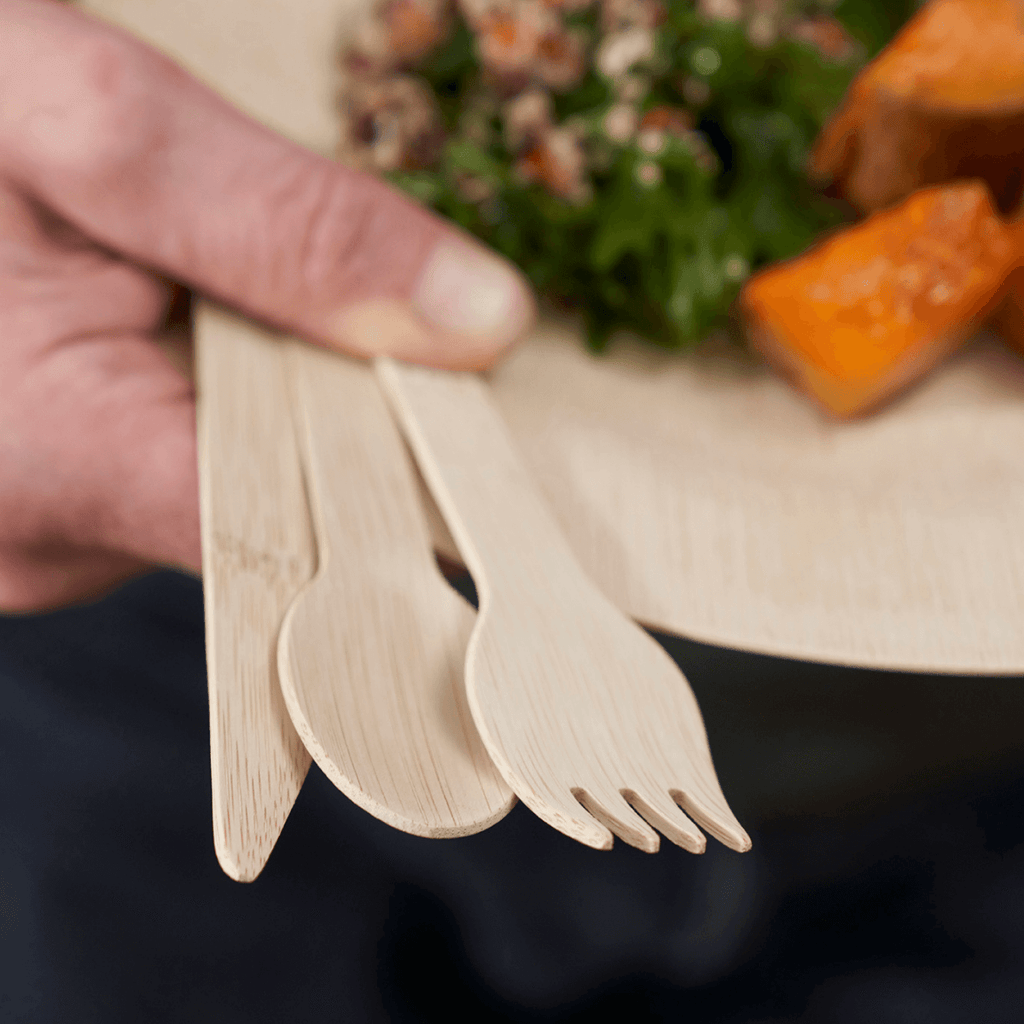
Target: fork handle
[[498, 519]]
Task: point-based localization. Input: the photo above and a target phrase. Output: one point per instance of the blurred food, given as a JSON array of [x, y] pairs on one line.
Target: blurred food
[[635, 157], [944, 100], [869, 310], [1008, 321], [641, 159]]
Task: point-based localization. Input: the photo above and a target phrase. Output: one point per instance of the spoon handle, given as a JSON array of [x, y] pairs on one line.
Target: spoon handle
[[371, 653], [497, 516]]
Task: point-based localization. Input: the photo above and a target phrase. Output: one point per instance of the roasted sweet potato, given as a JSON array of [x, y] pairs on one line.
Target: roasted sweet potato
[[1008, 320], [872, 308], [944, 100]]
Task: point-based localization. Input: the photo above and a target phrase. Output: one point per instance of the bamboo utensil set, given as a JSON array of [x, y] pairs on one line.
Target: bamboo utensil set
[[363, 663], [701, 494]]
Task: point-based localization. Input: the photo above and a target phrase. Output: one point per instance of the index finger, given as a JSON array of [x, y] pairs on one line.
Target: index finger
[[151, 163]]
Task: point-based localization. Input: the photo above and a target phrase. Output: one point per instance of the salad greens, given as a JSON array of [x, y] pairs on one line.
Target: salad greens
[[665, 222]]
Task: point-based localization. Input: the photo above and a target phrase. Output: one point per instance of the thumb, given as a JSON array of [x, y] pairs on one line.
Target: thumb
[[149, 162]]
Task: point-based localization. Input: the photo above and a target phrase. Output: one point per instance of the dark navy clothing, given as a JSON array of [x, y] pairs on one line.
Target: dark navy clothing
[[886, 881]]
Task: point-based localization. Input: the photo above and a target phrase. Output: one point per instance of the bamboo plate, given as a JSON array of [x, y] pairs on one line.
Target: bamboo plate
[[701, 494]]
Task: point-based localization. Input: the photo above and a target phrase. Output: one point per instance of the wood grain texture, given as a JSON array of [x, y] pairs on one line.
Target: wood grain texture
[[579, 708], [708, 499], [257, 554], [372, 650], [700, 493]]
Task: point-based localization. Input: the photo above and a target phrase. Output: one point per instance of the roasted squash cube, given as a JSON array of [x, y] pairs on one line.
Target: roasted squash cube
[[944, 100], [872, 308]]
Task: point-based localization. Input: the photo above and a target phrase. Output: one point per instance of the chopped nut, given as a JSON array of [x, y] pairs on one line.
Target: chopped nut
[[526, 116], [649, 174], [392, 124], [620, 52], [621, 122], [720, 10], [621, 15], [561, 59], [763, 30], [676, 121], [368, 54], [396, 35], [415, 27], [509, 36], [651, 141], [827, 36], [555, 160]]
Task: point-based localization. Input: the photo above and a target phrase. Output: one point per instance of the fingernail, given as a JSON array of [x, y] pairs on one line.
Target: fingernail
[[387, 327], [377, 327], [466, 290]]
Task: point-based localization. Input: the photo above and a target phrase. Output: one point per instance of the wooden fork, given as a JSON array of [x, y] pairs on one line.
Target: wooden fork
[[586, 717]]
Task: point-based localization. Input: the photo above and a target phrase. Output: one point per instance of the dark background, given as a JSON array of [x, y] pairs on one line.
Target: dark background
[[886, 881]]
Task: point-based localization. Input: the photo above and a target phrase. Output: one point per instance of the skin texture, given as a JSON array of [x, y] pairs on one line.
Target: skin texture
[[119, 174]]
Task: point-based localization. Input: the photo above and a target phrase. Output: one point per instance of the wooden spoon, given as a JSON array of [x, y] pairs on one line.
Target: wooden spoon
[[371, 653]]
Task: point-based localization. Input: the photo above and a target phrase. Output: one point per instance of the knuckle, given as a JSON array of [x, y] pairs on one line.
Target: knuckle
[[351, 234], [338, 231]]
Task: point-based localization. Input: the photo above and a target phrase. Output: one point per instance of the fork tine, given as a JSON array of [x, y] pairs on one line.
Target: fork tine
[[667, 817], [562, 812], [612, 810], [717, 820]]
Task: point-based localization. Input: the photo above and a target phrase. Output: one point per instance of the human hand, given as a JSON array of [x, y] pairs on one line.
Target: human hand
[[118, 175]]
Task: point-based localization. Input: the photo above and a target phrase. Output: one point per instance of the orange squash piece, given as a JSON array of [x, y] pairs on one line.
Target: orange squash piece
[[872, 308], [1008, 321], [944, 100]]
